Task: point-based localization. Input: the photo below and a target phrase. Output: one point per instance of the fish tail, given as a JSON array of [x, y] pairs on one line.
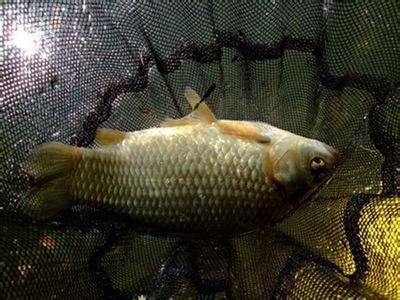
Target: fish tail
[[50, 168]]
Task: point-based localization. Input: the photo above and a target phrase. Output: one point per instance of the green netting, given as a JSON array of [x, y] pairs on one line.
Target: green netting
[[328, 70]]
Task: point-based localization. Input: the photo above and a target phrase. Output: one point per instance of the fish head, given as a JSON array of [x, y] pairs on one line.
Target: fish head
[[295, 163]]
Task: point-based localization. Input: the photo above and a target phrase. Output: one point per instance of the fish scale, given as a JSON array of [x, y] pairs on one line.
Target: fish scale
[[195, 174], [212, 169]]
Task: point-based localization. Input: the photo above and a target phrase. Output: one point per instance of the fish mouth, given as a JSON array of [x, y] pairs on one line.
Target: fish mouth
[[337, 160]]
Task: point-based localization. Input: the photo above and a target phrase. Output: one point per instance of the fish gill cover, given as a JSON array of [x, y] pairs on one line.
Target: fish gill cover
[[326, 70]]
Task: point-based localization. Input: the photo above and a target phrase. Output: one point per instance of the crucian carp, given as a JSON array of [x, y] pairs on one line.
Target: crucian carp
[[194, 174]]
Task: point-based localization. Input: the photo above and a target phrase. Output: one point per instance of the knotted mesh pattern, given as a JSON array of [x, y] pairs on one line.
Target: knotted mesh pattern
[[327, 70]]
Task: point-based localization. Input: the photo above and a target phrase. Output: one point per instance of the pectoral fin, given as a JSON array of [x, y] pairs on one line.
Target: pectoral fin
[[243, 131], [107, 136], [202, 115]]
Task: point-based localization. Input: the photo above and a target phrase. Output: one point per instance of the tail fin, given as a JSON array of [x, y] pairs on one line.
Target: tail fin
[[50, 167]]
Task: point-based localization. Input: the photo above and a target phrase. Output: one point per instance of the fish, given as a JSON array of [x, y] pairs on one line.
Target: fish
[[195, 174]]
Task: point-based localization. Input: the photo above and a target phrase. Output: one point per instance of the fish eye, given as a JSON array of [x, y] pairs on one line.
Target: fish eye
[[317, 163]]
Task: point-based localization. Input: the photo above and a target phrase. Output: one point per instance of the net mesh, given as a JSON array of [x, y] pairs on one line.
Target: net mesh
[[327, 70]]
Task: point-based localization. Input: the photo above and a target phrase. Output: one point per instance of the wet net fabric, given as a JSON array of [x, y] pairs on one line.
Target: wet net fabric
[[325, 70]]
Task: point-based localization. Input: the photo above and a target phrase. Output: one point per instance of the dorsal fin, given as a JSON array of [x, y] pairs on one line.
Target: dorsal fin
[[243, 131], [202, 114], [107, 136], [203, 111]]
